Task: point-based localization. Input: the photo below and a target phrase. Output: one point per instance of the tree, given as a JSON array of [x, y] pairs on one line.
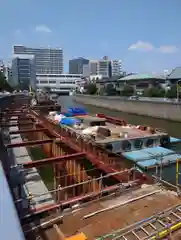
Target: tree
[[110, 90], [91, 88], [4, 85], [172, 92], [127, 91], [154, 92]]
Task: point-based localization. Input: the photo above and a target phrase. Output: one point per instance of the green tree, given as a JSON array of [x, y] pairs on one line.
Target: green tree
[[110, 90], [172, 92], [154, 92], [127, 91], [91, 89], [4, 85]]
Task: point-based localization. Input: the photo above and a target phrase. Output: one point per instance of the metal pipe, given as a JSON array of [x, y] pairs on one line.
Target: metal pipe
[[121, 204], [46, 224], [51, 207], [81, 183], [163, 181], [51, 160], [59, 232], [109, 190]]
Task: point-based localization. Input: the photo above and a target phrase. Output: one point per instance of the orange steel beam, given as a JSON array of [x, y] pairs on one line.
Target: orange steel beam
[[29, 143], [51, 160], [28, 131]]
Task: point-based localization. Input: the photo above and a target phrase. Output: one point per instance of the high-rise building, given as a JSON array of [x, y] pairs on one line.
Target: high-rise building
[[86, 70], [76, 65], [116, 67], [93, 66], [47, 60], [8, 73], [2, 66], [24, 71], [104, 68]]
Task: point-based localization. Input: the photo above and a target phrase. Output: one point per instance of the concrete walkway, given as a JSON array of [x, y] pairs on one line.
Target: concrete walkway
[[34, 183]]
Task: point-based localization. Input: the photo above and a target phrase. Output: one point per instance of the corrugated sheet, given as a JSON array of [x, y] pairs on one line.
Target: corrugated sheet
[[175, 74], [149, 157]]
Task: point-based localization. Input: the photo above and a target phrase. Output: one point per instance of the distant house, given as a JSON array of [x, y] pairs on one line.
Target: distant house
[[142, 81]]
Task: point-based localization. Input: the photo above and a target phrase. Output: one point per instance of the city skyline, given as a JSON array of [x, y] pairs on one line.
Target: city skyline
[[140, 33]]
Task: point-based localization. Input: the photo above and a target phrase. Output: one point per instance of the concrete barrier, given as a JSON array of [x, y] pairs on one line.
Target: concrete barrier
[[163, 110]]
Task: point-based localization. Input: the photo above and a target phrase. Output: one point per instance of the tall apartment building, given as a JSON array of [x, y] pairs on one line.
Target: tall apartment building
[[2, 66], [93, 67], [8, 73], [47, 60], [24, 71], [76, 65], [116, 67], [105, 67]]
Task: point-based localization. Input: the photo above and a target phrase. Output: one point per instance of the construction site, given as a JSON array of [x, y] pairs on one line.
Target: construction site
[[65, 188]]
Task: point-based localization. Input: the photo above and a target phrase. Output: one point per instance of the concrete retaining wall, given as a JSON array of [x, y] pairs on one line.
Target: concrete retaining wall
[[170, 111]]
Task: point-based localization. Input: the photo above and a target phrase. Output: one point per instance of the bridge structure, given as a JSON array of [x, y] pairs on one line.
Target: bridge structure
[[53, 173]]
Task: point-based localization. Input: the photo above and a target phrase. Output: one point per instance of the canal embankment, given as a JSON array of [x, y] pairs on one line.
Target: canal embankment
[[162, 110]]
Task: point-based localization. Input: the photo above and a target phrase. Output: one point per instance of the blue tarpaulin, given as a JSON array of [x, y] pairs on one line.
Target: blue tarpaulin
[[148, 157], [69, 121], [77, 111]]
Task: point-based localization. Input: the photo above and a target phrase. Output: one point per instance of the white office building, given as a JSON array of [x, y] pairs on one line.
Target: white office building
[[8, 73], [116, 67], [93, 67], [47, 60], [58, 83], [104, 68]]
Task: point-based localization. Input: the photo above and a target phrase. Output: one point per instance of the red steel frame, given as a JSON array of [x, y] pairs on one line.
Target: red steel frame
[[29, 143], [52, 160], [95, 155], [27, 131]]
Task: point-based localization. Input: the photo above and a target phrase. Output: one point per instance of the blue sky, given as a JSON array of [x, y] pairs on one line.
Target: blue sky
[[144, 34]]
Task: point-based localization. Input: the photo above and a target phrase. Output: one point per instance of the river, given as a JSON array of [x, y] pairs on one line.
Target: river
[[173, 128]]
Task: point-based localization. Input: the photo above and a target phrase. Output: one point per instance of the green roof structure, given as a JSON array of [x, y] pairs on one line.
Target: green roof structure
[[141, 77]]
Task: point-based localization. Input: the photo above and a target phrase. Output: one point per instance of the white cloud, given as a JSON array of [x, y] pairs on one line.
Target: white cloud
[[147, 46], [140, 45], [43, 28], [168, 49]]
